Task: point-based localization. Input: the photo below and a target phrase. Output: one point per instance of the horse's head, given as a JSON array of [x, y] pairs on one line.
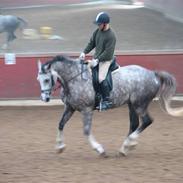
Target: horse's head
[[47, 78]]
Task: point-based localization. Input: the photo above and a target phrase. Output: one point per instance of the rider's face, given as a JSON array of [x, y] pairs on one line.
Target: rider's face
[[101, 26]]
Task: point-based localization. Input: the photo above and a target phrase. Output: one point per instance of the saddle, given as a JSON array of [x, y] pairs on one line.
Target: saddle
[[114, 65]]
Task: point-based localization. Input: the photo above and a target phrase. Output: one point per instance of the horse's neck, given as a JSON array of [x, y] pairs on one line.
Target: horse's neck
[[67, 71]]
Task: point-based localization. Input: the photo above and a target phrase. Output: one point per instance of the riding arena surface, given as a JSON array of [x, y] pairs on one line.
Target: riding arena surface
[[27, 151]]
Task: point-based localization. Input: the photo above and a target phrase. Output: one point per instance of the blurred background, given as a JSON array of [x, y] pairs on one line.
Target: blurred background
[[137, 25]]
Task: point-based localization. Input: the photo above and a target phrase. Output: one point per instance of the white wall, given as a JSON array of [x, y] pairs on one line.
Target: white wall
[[171, 8]]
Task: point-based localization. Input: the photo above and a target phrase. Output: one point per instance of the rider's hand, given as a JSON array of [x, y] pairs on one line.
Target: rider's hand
[[82, 56]]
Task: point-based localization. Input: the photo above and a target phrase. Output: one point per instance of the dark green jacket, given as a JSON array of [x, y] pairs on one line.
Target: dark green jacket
[[104, 43]]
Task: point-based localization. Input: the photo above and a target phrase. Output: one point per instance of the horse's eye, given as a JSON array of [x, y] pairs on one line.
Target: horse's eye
[[46, 81]]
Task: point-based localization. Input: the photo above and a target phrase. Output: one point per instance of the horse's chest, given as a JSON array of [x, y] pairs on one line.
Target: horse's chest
[[79, 99]]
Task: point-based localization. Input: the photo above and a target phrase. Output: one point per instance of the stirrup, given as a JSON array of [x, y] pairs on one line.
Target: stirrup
[[104, 105]]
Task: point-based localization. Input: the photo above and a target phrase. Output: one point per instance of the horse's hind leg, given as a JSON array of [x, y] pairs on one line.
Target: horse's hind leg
[[134, 123], [87, 122], [146, 121], [134, 119], [68, 112], [141, 110]]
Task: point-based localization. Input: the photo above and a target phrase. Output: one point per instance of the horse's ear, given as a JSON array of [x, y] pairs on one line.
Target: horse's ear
[[55, 75], [47, 66], [39, 65]]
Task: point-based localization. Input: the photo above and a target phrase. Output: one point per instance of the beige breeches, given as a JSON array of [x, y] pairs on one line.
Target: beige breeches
[[103, 69]]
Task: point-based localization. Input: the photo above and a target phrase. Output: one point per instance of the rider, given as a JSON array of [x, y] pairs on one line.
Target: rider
[[104, 41]]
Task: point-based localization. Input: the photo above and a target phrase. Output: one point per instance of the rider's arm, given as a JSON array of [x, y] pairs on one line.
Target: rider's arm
[[91, 43]]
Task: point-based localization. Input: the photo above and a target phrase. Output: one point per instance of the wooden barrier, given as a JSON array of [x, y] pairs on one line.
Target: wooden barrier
[[19, 81]]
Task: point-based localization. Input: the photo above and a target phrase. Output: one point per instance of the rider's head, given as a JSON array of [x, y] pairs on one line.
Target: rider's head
[[102, 20]]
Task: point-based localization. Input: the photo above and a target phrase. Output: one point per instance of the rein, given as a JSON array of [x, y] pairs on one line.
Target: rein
[[77, 75], [58, 87], [80, 73]]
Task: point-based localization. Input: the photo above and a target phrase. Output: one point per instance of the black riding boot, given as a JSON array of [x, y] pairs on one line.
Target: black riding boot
[[105, 92]]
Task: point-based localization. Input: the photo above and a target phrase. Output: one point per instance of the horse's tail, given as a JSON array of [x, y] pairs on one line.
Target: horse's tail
[[22, 23], [167, 91]]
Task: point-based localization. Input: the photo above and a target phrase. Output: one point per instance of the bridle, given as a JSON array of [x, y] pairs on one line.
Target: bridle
[[60, 82], [52, 84]]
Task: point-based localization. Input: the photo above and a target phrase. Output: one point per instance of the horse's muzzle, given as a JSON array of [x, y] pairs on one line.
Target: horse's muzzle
[[45, 97], [47, 100]]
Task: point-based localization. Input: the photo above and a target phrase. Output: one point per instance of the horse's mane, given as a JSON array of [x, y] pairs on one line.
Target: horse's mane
[[58, 58]]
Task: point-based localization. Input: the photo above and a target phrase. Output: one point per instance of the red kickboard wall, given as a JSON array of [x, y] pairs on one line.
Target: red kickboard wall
[[19, 81]]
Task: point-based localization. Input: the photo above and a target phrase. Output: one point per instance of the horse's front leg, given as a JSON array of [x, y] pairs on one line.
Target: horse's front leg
[[87, 124], [68, 112]]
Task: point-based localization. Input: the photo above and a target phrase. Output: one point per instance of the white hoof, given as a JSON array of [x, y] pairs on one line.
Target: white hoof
[[99, 149], [60, 148], [124, 150], [129, 144]]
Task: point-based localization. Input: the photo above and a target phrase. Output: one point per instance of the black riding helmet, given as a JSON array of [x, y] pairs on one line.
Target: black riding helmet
[[102, 18]]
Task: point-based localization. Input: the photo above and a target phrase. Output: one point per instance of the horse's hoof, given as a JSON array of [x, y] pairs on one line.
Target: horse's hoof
[[126, 148], [132, 147], [124, 151], [104, 155], [120, 154], [60, 148]]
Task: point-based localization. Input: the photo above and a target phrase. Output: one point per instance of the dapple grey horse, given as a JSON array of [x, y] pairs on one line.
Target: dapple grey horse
[[132, 85], [9, 24]]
